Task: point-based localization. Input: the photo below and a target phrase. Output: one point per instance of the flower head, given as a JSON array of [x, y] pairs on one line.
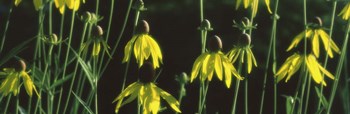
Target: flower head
[[293, 63], [253, 4], [214, 60], [11, 84], [143, 46], [243, 48], [148, 93], [314, 34], [97, 40], [71, 4], [345, 12]]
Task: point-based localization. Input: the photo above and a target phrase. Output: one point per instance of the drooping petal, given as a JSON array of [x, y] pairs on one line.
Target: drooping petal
[[249, 61], [311, 64], [127, 49], [267, 2], [298, 38], [238, 2], [96, 48], [315, 44], [155, 99], [28, 83], [255, 4], [328, 43], [197, 66], [294, 66], [218, 66], [17, 2], [37, 4], [210, 68], [345, 12], [134, 87], [174, 104]]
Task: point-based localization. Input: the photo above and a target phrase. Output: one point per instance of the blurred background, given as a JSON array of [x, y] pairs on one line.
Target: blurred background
[[173, 23]]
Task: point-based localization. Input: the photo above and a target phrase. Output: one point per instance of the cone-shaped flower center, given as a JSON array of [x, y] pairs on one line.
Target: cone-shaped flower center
[[244, 40], [317, 20], [215, 44], [97, 31], [142, 27], [20, 65], [146, 73]]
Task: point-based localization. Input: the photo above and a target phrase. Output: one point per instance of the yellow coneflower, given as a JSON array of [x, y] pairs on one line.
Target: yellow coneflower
[[293, 63], [253, 4], [147, 93], [143, 46], [11, 84], [243, 48], [345, 12], [71, 4], [215, 60], [97, 40], [314, 34]]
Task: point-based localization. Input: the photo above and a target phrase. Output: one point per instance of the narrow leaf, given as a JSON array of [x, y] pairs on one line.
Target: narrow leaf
[[83, 103]]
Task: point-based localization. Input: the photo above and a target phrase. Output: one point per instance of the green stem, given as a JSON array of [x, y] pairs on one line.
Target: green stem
[[330, 37], [246, 95], [66, 60], [236, 90], [96, 83], [17, 105], [7, 104], [97, 6], [307, 94], [203, 100], [120, 35], [339, 68], [6, 28]]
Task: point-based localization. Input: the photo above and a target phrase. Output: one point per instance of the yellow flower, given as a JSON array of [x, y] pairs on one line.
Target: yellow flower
[[143, 46], [208, 62], [149, 95], [71, 4], [253, 4], [97, 40], [314, 34], [11, 84], [293, 63], [241, 50], [345, 12]]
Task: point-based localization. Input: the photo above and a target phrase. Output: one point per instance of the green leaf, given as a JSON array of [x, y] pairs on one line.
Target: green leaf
[[83, 103], [289, 104], [323, 99], [60, 81], [14, 51], [87, 69]]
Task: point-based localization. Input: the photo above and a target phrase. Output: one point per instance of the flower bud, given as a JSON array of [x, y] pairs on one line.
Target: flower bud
[[53, 38], [244, 40], [97, 31], [215, 44], [139, 5], [86, 17], [142, 27], [146, 73], [182, 78], [205, 25]]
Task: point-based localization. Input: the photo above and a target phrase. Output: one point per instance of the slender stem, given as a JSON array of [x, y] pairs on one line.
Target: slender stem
[[6, 28], [7, 104], [120, 34], [330, 36], [236, 90], [66, 58], [201, 85], [203, 100], [339, 68], [97, 6], [17, 105], [96, 84], [307, 94], [246, 95]]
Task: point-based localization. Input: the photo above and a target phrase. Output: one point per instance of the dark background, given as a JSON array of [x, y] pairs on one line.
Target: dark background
[[173, 24]]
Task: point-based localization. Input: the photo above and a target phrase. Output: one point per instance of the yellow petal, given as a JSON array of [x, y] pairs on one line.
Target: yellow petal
[[17, 2], [249, 61], [345, 12], [246, 3], [197, 65], [218, 66], [267, 2], [28, 83], [155, 100], [37, 4], [294, 66], [315, 44], [255, 5], [311, 64], [174, 104], [134, 87], [328, 43], [253, 58], [238, 2], [96, 49], [76, 5]]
